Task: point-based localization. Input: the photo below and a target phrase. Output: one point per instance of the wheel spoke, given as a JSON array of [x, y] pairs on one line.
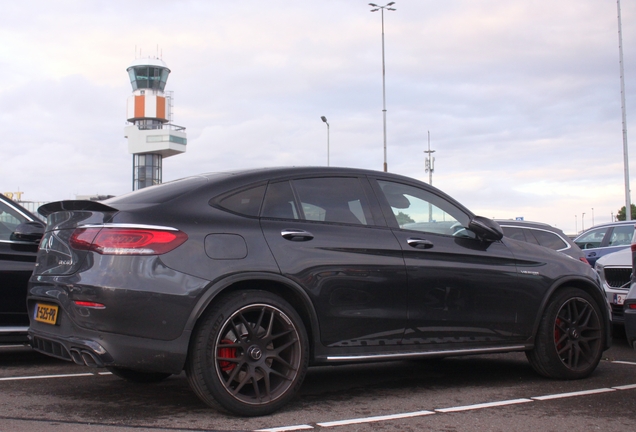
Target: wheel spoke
[[258, 356], [577, 334]]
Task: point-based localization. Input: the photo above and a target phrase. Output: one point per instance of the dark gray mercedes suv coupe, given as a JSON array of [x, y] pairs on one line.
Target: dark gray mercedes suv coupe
[[245, 279]]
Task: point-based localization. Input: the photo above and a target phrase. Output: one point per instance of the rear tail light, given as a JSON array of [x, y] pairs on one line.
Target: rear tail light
[[584, 260], [89, 304], [127, 240]]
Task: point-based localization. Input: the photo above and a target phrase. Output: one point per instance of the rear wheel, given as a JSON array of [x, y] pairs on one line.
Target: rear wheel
[[249, 354], [571, 337], [138, 376]]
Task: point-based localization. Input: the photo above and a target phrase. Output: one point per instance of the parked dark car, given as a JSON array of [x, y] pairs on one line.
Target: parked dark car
[[245, 279], [605, 239], [629, 305], [542, 234], [20, 233]]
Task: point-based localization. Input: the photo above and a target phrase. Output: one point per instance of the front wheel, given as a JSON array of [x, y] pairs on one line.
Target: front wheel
[[571, 336], [249, 354]]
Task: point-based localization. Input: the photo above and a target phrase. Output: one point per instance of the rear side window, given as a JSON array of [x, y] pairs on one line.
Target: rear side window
[[334, 199], [549, 240], [324, 199], [514, 233], [621, 235], [246, 202], [279, 202]]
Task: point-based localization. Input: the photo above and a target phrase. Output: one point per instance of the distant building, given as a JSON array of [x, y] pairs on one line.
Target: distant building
[[151, 136]]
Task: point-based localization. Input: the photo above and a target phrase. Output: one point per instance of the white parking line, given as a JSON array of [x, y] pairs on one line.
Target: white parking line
[[375, 419], [53, 376], [286, 428], [483, 405], [573, 394], [624, 362], [450, 409], [625, 387]]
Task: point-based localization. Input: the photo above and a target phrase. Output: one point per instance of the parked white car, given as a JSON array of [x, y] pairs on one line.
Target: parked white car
[[615, 271]]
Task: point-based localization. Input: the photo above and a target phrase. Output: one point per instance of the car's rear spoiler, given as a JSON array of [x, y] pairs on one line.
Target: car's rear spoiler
[[57, 206]]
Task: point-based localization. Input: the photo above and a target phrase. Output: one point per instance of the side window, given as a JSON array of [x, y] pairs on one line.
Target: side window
[[530, 237], [9, 220], [622, 235], [279, 202], [550, 240], [419, 210], [247, 202], [592, 239], [333, 199], [514, 233]]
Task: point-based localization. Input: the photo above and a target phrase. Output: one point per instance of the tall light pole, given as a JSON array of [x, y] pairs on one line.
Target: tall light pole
[[430, 167], [327, 123], [430, 161], [583, 222], [576, 224], [381, 9], [628, 205]]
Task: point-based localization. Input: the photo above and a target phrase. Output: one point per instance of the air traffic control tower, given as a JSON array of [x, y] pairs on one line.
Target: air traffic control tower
[[151, 134]]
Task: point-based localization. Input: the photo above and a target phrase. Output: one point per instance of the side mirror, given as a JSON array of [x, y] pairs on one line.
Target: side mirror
[[486, 229], [28, 231]]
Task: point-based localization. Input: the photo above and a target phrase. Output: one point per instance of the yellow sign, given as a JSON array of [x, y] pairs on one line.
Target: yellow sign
[[16, 196]]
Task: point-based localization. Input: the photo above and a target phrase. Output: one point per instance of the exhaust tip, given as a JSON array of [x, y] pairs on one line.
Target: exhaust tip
[[77, 357], [89, 359]]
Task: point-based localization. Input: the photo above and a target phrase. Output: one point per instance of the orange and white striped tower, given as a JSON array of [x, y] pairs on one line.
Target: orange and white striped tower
[[151, 135]]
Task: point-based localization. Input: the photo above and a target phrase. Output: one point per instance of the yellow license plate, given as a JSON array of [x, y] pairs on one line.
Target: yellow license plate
[[46, 313]]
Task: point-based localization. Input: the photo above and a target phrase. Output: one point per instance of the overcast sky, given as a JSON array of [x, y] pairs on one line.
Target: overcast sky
[[521, 98]]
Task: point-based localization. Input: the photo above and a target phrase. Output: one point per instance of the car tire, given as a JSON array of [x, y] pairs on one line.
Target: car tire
[[570, 339], [249, 354], [138, 376]]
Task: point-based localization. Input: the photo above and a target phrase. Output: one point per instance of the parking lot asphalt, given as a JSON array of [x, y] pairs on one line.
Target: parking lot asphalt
[[490, 393]]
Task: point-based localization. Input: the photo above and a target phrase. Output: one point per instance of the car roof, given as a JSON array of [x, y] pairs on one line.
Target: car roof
[[608, 224], [227, 180]]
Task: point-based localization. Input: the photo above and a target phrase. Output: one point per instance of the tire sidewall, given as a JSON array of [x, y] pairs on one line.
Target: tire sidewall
[[207, 334], [545, 338]]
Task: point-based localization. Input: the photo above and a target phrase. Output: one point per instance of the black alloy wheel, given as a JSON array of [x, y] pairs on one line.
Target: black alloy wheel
[[249, 355], [570, 340]]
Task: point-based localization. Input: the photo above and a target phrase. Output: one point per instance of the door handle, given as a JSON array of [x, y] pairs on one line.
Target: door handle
[[296, 235], [419, 243]]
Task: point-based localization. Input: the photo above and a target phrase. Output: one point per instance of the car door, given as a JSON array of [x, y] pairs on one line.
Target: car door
[[325, 237], [461, 290], [17, 259]]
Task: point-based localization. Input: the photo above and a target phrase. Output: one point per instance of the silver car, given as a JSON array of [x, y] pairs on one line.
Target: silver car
[[615, 271]]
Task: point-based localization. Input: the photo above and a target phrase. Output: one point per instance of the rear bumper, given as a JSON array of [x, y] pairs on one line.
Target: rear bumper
[[104, 350], [13, 334]]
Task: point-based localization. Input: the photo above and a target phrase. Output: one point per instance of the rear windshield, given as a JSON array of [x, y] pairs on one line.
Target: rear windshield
[[160, 193]]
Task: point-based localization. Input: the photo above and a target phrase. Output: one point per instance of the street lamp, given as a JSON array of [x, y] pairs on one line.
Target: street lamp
[[327, 123], [628, 206], [583, 222], [381, 9]]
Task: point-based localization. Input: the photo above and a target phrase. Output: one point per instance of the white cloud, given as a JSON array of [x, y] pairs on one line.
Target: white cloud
[[521, 98]]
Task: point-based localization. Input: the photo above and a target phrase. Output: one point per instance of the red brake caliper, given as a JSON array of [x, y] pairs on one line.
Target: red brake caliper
[[226, 366]]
